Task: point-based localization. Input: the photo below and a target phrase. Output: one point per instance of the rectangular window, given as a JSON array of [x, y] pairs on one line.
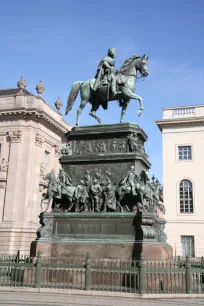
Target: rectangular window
[[187, 246], [46, 158], [184, 152]]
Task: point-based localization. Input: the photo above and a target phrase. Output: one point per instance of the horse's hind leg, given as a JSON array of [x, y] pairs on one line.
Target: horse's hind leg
[[92, 113], [85, 95], [80, 109]]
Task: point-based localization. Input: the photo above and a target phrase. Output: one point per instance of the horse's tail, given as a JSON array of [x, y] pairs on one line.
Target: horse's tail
[[72, 96]]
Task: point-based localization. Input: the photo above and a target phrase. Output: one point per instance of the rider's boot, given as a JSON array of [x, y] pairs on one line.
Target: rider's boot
[[113, 86], [133, 191], [59, 194]]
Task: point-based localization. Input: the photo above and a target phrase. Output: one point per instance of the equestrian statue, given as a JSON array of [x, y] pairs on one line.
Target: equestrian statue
[[109, 85]]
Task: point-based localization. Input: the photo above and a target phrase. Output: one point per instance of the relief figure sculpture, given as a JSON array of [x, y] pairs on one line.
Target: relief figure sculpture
[[96, 192], [87, 180], [64, 181], [109, 193], [128, 182], [52, 189], [96, 196], [81, 197], [136, 144]]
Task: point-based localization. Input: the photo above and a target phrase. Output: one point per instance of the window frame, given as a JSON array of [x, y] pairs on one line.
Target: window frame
[[184, 251], [177, 152], [179, 213], [192, 198]]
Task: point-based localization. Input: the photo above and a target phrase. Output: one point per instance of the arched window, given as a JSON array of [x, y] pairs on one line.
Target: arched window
[[186, 196]]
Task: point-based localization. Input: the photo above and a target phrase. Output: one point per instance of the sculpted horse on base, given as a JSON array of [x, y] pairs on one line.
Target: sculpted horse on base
[[63, 197], [126, 83]]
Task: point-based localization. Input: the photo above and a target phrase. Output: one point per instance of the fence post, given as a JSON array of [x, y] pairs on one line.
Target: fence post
[[188, 276], [88, 272], [141, 275], [38, 271]]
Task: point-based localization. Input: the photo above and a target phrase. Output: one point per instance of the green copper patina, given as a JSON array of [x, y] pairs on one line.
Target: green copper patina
[[109, 85]]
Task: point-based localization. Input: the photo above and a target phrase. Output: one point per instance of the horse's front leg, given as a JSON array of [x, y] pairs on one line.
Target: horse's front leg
[[141, 106], [120, 207], [131, 95], [72, 203]]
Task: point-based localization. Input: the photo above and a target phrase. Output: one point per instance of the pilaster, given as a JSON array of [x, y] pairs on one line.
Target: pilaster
[[13, 177], [37, 168]]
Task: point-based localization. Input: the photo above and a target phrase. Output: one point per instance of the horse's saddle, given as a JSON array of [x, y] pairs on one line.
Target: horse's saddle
[[121, 79]]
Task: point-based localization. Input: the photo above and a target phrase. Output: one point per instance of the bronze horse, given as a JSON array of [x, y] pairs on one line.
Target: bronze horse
[[126, 81]]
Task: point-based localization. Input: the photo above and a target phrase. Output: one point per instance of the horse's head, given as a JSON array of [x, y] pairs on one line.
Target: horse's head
[[142, 66]]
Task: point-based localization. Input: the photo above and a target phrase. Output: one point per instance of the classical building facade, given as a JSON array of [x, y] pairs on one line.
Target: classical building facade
[[183, 146], [31, 137]]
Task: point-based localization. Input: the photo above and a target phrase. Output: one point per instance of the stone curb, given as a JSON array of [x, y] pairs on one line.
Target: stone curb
[[53, 291]]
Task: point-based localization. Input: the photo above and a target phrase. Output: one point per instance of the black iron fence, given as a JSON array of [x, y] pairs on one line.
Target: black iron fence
[[181, 275]]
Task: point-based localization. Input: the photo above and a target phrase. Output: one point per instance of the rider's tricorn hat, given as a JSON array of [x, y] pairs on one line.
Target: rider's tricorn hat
[[112, 50]]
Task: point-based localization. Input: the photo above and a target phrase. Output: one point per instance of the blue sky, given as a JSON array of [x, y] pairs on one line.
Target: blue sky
[[60, 42]]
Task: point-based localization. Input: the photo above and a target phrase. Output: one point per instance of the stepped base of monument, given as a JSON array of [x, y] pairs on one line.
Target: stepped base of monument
[[104, 235], [126, 251]]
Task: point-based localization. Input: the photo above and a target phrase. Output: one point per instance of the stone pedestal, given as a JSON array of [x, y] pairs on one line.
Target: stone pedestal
[[104, 235], [113, 155]]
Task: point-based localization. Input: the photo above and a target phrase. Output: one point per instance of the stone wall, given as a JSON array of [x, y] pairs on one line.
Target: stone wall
[[30, 132]]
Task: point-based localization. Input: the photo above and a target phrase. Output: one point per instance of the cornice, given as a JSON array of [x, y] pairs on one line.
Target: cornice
[[39, 115], [182, 121], [194, 221], [182, 107]]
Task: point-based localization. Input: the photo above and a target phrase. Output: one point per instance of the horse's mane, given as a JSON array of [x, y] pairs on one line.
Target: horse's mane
[[127, 62]]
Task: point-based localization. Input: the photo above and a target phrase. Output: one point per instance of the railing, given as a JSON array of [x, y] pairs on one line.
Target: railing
[[183, 111], [165, 277], [182, 275], [17, 271], [61, 273], [114, 275]]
